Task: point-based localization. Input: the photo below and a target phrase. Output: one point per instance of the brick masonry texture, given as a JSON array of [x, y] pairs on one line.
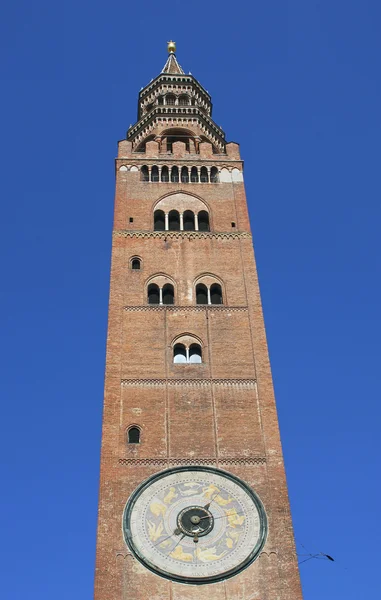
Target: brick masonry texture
[[228, 399]]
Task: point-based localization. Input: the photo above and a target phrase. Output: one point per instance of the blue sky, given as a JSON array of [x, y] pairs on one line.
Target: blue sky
[[297, 83]]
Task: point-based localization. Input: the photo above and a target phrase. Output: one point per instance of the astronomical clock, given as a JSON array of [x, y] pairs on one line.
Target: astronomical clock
[[195, 524]]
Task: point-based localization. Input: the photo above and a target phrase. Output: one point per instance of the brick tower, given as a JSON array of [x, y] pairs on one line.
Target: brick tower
[[193, 498]]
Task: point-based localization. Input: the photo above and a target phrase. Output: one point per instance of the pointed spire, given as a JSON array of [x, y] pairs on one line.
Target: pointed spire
[[172, 66]]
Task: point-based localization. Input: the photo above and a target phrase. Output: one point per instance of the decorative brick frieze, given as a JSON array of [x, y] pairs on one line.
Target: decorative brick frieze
[[174, 308], [189, 382], [187, 235], [169, 462]]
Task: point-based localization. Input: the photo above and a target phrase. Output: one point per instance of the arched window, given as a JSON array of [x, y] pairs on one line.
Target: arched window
[[215, 294], [183, 100], [179, 354], [144, 175], [184, 175], [168, 294], [195, 355], [204, 175], [203, 221], [177, 135], [164, 174], [188, 220], [174, 221], [153, 294], [201, 294], [194, 175], [159, 220], [160, 100], [170, 99], [174, 175], [133, 435], [155, 173], [214, 175], [135, 264], [187, 351]]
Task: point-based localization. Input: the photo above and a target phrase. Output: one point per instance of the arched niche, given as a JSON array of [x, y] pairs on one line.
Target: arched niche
[[181, 202], [237, 176], [225, 176]]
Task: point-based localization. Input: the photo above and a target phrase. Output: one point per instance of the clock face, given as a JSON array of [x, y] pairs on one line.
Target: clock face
[[195, 524]]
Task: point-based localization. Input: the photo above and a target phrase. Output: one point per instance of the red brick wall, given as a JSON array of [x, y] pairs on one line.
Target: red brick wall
[[230, 396]]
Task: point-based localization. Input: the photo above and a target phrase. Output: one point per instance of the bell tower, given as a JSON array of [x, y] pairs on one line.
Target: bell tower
[[193, 499]]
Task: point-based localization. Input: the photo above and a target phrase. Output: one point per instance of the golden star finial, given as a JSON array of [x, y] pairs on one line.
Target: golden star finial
[[171, 47]]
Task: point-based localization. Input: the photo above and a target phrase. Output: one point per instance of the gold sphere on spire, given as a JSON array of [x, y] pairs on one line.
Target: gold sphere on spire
[[171, 47]]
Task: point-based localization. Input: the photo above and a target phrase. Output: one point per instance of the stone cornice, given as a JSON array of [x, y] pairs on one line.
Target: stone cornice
[[177, 235], [162, 77], [177, 112]]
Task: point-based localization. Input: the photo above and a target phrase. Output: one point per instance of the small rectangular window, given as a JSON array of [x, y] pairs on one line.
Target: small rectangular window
[[131, 219], [233, 224]]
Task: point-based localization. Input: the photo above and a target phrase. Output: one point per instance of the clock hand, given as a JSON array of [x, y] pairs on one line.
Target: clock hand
[[176, 532], [182, 537], [209, 503], [222, 516]]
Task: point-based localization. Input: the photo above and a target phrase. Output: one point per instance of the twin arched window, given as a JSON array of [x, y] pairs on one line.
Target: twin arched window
[[187, 354], [208, 294], [161, 295], [176, 221]]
